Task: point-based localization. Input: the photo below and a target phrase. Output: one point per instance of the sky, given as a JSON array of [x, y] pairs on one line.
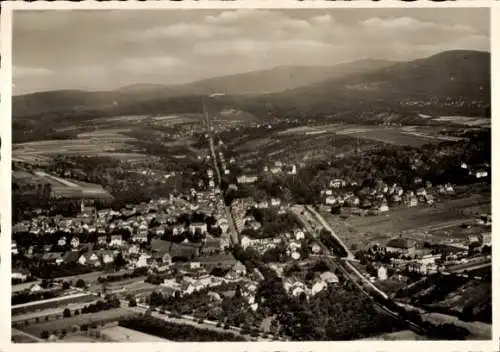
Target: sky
[[101, 50]]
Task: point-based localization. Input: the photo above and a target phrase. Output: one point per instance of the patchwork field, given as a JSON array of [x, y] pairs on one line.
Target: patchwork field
[[464, 120], [408, 135], [60, 187]]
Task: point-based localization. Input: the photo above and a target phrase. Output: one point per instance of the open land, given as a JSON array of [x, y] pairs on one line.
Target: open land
[[67, 323], [437, 223]]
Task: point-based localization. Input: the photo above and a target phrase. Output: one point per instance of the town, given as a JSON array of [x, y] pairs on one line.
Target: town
[[264, 195]]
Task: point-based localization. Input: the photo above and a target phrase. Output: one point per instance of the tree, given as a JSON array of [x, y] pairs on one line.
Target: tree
[[44, 335], [120, 262], [80, 283], [66, 313], [132, 302], [65, 285]]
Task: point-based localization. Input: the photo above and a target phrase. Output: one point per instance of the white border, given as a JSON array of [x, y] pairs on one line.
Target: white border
[[5, 175]]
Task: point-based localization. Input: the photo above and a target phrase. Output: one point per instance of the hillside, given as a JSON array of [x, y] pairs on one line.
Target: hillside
[[255, 82], [449, 83], [454, 82], [279, 79]]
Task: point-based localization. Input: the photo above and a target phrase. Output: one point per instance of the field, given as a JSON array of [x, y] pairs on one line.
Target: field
[[404, 335], [68, 323], [121, 334], [467, 121], [60, 187], [439, 223], [56, 310], [408, 135]]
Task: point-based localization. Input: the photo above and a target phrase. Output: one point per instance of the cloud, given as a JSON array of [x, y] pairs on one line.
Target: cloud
[[149, 63], [27, 72], [259, 47], [412, 24], [175, 31]]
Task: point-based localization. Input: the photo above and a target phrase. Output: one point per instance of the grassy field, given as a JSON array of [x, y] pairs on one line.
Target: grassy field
[[408, 135], [121, 334], [68, 323], [404, 335], [437, 223]]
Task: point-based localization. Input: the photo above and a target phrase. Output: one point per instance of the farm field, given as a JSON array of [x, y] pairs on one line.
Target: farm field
[[437, 223], [404, 335], [68, 323], [122, 334], [51, 311], [407, 135], [464, 120]]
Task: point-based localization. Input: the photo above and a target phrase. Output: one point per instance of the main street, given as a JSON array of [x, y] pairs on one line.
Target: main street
[[210, 132]]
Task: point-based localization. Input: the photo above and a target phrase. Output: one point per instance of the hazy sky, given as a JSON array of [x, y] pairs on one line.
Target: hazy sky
[[107, 49]]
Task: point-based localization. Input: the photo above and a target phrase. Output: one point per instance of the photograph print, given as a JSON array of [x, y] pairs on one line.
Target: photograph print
[[251, 175]]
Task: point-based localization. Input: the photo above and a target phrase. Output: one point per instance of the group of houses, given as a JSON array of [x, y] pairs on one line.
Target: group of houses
[[381, 196]]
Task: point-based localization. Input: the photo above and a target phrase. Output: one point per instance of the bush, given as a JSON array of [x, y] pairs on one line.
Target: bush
[[66, 313], [44, 335], [80, 283]]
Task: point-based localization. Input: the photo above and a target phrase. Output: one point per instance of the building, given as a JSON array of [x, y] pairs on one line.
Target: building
[[75, 242], [382, 273], [247, 179], [401, 245]]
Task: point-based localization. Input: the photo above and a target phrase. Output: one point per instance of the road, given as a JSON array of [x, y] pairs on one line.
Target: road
[[322, 221], [233, 233]]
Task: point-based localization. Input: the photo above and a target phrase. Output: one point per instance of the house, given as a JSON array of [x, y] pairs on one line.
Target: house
[[18, 275], [327, 192], [401, 245], [198, 226], [254, 224], [142, 260], [382, 273], [317, 287], [275, 202], [383, 208], [102, 240], [486, 238], [421, 192], [140, 237], [133, 249], [62, 241], [246, 179], [329, 277], [106, 256], [330, 200], [14, 249], [90, 259], [210, 246], [481, 174], [299, 235], [337, 183], [221, 261], [239, 268], [429, 199], [412, 202], [315, 248], [75, 242]]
